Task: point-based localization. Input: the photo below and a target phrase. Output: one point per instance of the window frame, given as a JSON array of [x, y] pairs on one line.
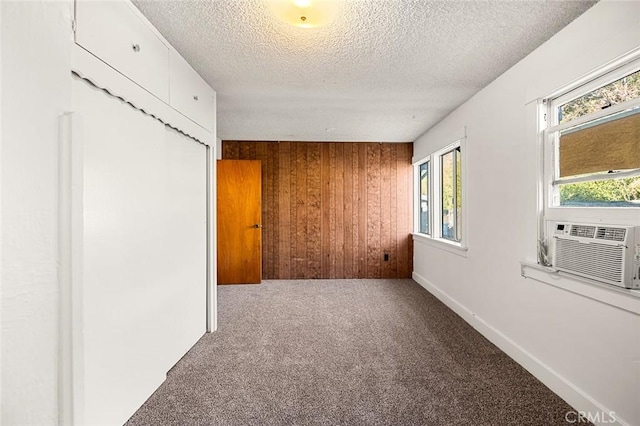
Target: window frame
[[549, 208], [418, 213], [435, 196]]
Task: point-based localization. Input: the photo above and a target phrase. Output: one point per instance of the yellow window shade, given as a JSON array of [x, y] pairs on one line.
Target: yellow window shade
[[614, 145]]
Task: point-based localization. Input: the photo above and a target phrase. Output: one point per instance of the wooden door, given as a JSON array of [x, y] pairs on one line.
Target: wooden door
[[239, 222]]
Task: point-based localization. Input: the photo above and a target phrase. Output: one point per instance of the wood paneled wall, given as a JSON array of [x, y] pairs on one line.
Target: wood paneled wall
[[333, 210]]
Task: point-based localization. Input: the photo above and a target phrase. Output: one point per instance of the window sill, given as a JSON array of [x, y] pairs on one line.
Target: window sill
[[622, 298], [441, 244]]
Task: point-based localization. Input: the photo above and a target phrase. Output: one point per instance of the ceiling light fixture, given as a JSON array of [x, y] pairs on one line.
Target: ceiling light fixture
[[304, 13]]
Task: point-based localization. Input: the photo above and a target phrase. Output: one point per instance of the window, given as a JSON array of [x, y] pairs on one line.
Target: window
[[439, 190], [451, 190], [423, 203], [594, 143]]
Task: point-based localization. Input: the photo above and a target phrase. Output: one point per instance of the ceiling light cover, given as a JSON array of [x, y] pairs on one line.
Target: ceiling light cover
[[305, 13]]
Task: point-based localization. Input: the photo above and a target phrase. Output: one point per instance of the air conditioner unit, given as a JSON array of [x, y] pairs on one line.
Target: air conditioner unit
[[605, 253]]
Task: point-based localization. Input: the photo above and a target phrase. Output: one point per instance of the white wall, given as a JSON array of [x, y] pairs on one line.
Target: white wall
[[35, 90], [218, 149], [586, 351], [0, 219]]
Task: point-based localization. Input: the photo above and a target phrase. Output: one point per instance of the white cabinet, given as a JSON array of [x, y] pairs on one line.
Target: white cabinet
[[118, 34], [114, 32], [138, 205], [189, 93]]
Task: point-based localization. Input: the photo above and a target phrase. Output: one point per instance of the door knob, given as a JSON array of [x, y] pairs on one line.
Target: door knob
[[257, 225]]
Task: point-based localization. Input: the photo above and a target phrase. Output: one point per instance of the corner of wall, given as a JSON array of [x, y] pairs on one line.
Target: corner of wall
[[560, 385]]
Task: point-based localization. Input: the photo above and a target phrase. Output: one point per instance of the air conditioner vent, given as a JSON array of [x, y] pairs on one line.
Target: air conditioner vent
[[584, 231], [603, 261], [612, 234]]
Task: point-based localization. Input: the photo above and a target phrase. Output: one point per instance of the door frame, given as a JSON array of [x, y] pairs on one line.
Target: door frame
[[212, 256]]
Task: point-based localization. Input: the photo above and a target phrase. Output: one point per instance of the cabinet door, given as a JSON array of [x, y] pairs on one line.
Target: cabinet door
[[190, 94], [113, 32], [144, 253]]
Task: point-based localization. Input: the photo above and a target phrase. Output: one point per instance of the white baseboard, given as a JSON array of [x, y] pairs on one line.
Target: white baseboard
[[566, 390]]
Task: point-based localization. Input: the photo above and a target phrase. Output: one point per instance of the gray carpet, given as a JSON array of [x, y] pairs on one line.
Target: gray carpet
[[345, 352]]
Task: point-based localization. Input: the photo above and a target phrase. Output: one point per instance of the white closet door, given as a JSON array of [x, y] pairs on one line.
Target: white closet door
[[185, 234], [144, 275]]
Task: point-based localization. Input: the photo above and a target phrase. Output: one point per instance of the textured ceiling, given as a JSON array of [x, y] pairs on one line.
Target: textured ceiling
[[383, 70]]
